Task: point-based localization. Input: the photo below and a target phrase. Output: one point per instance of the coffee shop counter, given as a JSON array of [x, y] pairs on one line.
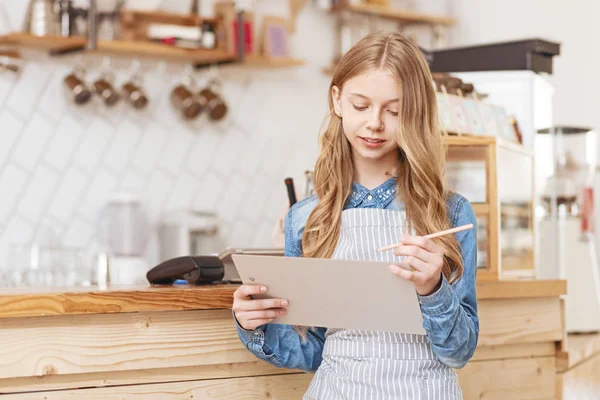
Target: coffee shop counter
[[180, 342]]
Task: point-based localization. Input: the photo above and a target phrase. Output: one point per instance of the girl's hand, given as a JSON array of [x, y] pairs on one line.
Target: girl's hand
[[252, 313], [426, 260]]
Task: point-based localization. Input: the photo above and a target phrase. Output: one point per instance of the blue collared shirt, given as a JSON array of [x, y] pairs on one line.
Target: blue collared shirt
[[449, 315]]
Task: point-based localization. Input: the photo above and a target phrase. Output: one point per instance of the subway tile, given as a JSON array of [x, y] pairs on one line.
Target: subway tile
[[181, 196], [25, 94], [150, 149], [95, 141], [62, 144], [38, 192], [209, 194], [79, 233], [7, 82], [176, 148], [18, 230], [10, 130], [12, 182], [32, 141], [228, 152], [154, 195], [132, 181], [54, 100], [233, 198], [68, 195], [123, 145], [204, 150], [98, 193]]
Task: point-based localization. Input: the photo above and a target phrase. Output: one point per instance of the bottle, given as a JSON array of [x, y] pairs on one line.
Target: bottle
[[208, 36]]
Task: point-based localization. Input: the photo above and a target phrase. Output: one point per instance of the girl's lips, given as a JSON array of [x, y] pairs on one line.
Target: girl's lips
[[372, 143]]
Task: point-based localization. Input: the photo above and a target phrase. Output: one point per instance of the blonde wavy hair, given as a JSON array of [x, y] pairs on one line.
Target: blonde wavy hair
[[421, 153]]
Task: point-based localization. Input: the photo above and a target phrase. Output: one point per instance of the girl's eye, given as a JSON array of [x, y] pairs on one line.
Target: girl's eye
[[359, 108], [393, 113]]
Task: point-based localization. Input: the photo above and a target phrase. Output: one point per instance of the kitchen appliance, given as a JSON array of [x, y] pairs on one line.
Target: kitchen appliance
[[41, 18], [195, 270], [531, 54], [123, 230], [189, 232], [567, 228], [200, 270]]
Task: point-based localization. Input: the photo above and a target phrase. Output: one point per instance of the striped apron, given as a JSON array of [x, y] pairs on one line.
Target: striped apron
[[361, 364]]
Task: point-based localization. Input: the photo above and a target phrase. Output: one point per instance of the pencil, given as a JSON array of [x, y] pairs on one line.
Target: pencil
[[432, 235]]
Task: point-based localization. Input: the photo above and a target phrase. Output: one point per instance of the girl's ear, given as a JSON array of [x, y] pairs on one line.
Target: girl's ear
[[335, 96]]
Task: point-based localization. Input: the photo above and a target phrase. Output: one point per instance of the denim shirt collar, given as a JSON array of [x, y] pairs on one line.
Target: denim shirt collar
[[382, 195]]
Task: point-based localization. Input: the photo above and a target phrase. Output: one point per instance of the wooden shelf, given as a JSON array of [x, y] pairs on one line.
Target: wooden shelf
[[481, 208], [261, 61], [328, 70], [475, 140], [117, 47], [10, 54], [141, 49], [464, 140], [50, 43], [398, 15]]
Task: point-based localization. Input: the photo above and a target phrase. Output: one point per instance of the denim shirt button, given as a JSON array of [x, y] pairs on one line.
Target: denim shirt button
[[369, 197]]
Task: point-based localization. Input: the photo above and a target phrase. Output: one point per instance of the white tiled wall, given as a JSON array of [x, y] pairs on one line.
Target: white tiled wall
[[60, 163]]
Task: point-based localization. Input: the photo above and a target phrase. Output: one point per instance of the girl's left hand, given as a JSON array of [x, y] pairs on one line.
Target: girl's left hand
[[426, 259]]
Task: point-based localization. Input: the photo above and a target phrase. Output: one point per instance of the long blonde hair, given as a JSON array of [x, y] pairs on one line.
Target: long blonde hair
[[421, 155]]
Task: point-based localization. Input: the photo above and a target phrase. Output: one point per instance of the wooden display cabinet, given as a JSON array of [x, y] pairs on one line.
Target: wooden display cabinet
[[497, 177]]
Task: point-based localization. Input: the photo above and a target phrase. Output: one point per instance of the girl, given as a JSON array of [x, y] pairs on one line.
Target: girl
[[379, 173]]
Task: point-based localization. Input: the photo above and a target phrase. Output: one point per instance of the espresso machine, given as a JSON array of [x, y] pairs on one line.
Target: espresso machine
[[568, 243]]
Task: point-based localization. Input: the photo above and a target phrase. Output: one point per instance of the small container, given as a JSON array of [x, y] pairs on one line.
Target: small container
[[106, 91], [135, 95], [185, 102], [77, 89], [210, 99], [217, 109]]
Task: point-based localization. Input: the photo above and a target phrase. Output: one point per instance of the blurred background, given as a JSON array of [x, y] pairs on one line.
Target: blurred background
[[141, 134]]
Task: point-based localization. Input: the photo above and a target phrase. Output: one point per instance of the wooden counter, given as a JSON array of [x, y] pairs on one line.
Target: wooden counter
[[180, 343], [579, 367]]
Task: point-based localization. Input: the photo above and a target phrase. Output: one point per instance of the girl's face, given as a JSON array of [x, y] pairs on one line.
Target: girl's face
[[369, 105]]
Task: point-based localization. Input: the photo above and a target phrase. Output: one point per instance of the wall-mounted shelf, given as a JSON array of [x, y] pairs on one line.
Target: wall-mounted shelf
[[398, 15], [57, 44], [261, 61]]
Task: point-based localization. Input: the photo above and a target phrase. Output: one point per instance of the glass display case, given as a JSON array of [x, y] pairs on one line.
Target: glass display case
[[497, 177]]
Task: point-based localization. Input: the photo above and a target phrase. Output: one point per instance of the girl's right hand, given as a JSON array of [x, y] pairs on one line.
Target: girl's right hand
[[252, 313]]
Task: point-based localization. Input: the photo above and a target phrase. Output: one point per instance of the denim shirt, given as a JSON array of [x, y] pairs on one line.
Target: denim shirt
[[449, 314]]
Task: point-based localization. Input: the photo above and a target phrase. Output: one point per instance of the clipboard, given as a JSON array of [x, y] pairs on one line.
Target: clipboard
[[344, 294]]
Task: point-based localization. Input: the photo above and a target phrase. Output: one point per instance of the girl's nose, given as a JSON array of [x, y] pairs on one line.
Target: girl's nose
[[375, 122]]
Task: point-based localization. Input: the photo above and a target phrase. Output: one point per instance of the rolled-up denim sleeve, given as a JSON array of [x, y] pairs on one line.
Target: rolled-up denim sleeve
[[450, 314], [280, 345]]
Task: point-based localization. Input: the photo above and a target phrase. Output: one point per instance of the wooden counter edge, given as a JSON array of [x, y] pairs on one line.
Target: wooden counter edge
[[580, 348], [115, 300], [30, 303], [514, 289]]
